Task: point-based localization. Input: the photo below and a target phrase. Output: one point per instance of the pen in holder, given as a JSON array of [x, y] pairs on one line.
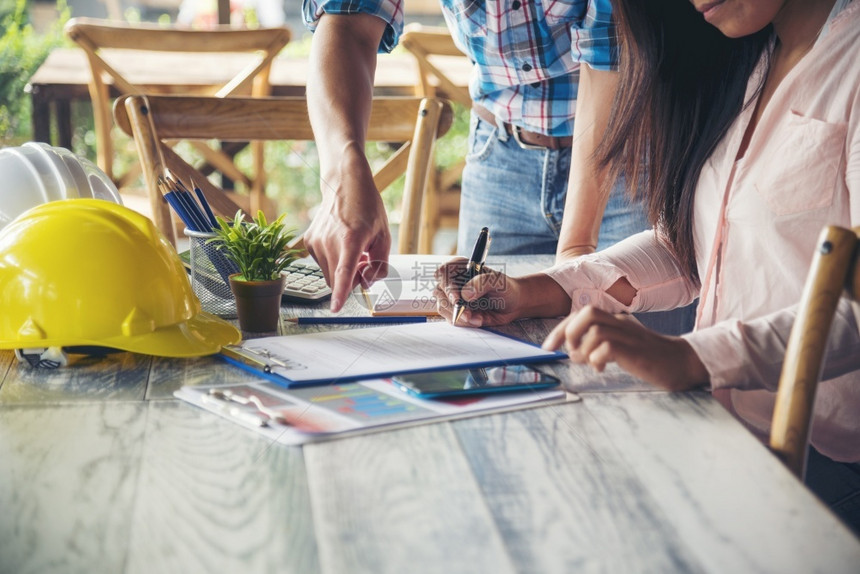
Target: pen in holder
[[210, 271]]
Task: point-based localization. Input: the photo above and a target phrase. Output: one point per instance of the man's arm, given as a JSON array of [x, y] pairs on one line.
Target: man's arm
[[583, 209], [349, 237]]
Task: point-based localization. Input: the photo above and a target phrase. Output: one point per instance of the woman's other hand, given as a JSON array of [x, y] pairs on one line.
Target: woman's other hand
[[596, 338]]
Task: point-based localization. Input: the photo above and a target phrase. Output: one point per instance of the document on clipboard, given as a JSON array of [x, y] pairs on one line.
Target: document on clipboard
[[355, 354], [312, 414]]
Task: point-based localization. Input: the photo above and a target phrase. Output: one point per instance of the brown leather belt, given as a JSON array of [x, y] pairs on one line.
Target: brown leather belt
[[526, 139]]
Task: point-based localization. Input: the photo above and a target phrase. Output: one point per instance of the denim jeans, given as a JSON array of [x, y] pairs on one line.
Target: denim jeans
[[519, 194]]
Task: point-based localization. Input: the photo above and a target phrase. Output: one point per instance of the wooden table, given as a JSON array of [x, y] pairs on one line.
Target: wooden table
[[62, 79], [101, 470]]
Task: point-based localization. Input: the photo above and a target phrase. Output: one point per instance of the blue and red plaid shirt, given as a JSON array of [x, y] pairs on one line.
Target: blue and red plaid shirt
[[527, 52]]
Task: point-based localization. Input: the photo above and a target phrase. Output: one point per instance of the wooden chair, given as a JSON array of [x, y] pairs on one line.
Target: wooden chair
[[102, 39], [154, 120], [426, 44], [834, 273]]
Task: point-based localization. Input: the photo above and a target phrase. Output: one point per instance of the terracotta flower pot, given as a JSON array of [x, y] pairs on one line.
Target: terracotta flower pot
[[258, 303]]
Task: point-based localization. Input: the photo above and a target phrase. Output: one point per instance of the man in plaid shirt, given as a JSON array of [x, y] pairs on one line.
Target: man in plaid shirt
[[525, 150]]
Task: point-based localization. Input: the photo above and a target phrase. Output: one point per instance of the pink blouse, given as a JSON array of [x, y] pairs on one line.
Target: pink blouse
[[757, 221]]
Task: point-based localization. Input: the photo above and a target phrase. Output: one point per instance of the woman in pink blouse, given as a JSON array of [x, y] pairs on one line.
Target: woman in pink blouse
[[747, 116]]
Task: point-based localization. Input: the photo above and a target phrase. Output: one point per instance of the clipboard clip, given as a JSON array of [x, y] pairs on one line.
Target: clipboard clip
[[245, 357], [254, 358], [223, 399]]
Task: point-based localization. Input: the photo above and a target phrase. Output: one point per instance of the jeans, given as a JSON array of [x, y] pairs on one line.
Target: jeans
[[519, 194], [836, 484]]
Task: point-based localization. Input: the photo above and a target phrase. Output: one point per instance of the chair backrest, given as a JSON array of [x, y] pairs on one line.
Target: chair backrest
[[153, 120], [103, 42], [427, 44], [834, 273]]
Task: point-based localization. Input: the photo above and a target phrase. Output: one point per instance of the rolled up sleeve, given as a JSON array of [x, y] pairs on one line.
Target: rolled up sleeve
[[594, 40], [389, 10], [643, 260]]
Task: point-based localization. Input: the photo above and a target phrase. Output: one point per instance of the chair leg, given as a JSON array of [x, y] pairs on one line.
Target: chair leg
[[429, 213]]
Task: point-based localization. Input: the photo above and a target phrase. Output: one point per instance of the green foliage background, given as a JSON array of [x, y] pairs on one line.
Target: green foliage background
[[22, 51]]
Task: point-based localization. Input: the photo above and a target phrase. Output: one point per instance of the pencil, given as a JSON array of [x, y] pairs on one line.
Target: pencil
[[357, 320]]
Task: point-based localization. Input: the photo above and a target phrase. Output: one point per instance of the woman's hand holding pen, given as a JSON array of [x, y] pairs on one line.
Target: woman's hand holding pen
[[493, 298]]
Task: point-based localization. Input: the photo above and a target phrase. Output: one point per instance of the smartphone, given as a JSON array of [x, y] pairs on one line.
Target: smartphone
[[474, 381]]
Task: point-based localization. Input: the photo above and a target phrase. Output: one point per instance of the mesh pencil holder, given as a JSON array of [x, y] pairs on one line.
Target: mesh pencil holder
[[210, 271]]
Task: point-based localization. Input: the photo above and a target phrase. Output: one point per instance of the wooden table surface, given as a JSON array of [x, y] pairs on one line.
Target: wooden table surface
[[102, 470], [63, 77]]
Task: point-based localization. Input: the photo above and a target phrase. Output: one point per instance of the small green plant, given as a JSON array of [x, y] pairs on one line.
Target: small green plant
[[260, 249]]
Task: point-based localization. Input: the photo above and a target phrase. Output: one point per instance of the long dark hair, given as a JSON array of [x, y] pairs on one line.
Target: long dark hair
[[682, 83]]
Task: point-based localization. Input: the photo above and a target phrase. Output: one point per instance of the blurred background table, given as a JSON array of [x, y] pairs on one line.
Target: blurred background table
[[63, 77]]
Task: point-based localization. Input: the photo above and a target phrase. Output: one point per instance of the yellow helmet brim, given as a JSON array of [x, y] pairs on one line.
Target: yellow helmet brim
[[203, 334]]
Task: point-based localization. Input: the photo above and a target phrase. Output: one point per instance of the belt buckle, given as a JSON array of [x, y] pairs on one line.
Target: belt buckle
[[516, 133]]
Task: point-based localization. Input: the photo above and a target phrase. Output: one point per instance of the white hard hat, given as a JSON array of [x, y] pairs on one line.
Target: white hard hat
[[36, 173]]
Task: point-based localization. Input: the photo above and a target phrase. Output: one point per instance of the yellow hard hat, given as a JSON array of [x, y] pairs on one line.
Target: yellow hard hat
[[90, 272]]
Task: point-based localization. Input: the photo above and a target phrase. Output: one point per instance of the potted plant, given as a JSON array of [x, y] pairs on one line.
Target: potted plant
[[260, 251]]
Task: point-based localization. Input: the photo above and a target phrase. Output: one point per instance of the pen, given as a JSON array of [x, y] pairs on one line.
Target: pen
[[205, 204], [366, 296], [183, 204], [473, 267], [357, 320], [180, 210]]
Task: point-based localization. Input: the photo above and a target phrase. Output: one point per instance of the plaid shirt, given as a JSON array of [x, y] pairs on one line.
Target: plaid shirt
[[527, 52]]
